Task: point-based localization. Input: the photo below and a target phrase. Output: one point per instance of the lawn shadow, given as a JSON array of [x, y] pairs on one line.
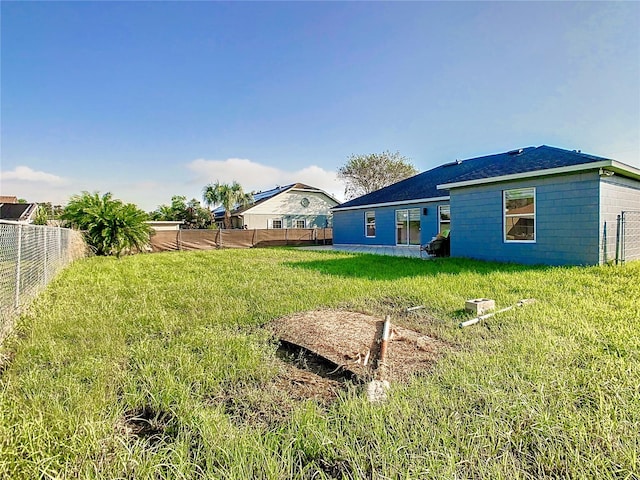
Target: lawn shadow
[[381, 267]]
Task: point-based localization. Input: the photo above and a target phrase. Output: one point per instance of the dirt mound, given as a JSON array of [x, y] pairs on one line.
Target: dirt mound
[[350, 341]]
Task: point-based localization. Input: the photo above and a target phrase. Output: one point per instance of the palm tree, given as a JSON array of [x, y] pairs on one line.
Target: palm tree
[[111, 227], [229, 196]]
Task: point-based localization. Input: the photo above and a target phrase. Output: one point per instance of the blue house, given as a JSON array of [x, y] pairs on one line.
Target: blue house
[[534, 205]]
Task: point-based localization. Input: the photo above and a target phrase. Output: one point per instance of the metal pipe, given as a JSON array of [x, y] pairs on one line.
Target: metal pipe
[[475, 320], [385, 340]]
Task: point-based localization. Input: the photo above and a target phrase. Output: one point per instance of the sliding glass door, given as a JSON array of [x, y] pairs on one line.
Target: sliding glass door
[[408, 226]]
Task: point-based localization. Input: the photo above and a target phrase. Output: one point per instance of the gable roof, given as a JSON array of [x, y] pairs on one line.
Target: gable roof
[[434, 184], [262, 197]]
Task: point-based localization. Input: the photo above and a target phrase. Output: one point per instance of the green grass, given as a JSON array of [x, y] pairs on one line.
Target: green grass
[[550, 390]]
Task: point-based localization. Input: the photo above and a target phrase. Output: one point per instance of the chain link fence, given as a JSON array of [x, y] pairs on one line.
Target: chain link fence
[[628, 237], [30, 257]]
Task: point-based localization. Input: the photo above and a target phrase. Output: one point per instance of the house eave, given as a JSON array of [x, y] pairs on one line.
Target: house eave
[[391, 204], [617, 167], [314, 190]]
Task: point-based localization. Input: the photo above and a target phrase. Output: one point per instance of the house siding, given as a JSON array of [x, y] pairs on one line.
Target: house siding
[[287, 206], [566, 225], [617, 194], [349, 225], [262, 220]]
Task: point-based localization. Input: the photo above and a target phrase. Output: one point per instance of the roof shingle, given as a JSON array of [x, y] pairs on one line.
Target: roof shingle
[[424, 185]]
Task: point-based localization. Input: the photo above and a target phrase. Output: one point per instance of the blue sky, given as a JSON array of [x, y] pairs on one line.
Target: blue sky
[[153, 99]]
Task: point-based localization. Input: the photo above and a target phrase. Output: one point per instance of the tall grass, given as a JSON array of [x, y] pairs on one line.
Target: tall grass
[[118, 369]]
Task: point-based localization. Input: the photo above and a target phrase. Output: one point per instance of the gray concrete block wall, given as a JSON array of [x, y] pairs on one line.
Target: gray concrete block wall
[[617, 194]]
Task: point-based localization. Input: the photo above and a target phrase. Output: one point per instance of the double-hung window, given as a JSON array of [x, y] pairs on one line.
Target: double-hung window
[[520, 215], [370, 224], [276, 223], [300, 223]]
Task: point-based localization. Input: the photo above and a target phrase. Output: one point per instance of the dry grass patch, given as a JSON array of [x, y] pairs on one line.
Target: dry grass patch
[[350, 340]]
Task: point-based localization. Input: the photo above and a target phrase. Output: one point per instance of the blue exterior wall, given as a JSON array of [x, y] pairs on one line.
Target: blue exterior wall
[[567, 221], [349, 225]]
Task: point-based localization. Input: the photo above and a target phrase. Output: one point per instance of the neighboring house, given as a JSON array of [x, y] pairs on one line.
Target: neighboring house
[[18, 212], [164, 225], [292, 206], [535, 205]]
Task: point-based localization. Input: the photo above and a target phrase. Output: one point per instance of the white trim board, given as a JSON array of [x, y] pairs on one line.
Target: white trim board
[[612, 164], [391, 204]]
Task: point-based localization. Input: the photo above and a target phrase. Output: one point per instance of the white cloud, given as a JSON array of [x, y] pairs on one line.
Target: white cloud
[[255, 176], [27, 174], [35, 185], [250, 174], [148, 193]]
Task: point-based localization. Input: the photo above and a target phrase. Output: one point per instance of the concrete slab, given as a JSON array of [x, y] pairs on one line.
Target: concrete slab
[[412, 251]]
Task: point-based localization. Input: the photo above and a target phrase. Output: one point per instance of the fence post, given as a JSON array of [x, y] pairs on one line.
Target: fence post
[[59, 245], [618, 226], [44, 247], [17, 300], [604, 240], [622, 238]]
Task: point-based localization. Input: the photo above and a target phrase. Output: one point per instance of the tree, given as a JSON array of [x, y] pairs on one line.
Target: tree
[[191, 213], [41, 216], [229, 196], [111, 227], [364, 174], [53, 212]]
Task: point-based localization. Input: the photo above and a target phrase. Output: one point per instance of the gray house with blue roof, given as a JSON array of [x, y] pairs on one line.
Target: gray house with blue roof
[[534, 205]]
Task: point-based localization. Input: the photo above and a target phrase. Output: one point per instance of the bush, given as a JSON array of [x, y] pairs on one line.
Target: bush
[[111, 227]]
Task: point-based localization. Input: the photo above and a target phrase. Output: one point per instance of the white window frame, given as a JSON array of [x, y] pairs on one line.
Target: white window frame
[[272, 223], [505, 215], [440, 222], [296, 220], [367, 223]]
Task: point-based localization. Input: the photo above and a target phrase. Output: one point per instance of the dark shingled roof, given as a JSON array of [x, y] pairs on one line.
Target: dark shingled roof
[[424, 185]]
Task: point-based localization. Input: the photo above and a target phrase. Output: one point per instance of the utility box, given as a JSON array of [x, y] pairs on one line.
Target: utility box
[[480, 306]]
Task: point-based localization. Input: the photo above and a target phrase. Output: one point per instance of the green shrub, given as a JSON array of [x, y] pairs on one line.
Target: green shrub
[[111, 226]]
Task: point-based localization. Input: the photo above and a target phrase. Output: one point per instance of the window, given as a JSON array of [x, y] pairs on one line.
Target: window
[[370, 224], [300, 223], [444, 218], [520, 215], [276, 223], [408, 226]]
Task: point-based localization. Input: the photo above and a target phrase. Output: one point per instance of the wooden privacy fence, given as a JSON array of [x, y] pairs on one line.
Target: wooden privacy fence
[[171, 240]]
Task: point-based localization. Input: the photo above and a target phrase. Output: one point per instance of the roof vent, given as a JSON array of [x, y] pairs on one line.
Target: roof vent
[[515, 152], [451, 164]]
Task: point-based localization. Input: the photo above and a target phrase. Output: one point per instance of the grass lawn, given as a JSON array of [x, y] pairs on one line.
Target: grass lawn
[[118, 369]]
